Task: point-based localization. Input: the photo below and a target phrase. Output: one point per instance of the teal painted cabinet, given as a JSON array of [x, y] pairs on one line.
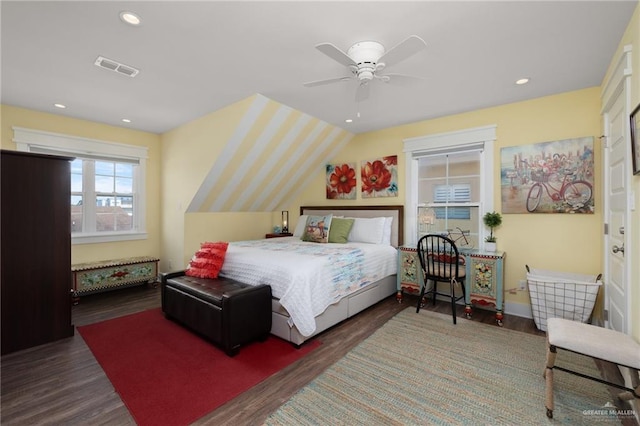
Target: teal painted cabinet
[[409, 273], [484, 281]]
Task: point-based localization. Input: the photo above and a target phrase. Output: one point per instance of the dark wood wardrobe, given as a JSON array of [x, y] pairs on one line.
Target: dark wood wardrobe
[[35, 250]]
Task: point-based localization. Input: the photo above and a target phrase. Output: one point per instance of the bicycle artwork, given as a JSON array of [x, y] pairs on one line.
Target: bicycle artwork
[[548, 177], [461, 237]]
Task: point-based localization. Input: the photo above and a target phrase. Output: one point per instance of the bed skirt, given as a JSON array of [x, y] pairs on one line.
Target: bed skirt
[[347, 307]]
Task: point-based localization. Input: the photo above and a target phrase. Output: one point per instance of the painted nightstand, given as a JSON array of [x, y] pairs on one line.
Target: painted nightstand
[[484, 281], [282, 234]]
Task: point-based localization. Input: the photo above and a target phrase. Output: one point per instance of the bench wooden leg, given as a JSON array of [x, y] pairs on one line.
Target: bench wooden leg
[[548, 375], [635, 385]]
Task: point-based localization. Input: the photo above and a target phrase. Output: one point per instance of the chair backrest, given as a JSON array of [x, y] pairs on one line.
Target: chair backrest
[[439, 258]]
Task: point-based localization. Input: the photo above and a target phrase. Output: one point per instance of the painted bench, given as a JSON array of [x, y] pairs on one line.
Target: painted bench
[[95, 277]]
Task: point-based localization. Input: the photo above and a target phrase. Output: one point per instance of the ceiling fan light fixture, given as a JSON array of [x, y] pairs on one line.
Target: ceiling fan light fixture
[[365, 76], [365, 52]]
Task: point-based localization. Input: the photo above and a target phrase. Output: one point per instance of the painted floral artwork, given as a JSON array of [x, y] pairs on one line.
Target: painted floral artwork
[[380, 177], [483, 277], [548, 177], [341, 181]]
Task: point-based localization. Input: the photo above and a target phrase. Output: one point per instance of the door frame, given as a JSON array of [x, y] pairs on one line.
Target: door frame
[[618, 85]]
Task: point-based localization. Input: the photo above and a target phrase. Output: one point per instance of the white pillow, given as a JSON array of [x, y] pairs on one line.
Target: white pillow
[[386, 232], [367, 230], [302, 223]]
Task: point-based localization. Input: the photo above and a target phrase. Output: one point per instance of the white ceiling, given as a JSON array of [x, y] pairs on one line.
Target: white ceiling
[[198, 57]]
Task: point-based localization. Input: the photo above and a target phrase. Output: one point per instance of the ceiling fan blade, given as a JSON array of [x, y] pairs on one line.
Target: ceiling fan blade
[[403, 50], [327, 81], [362, 92], [398, 79], [334, 53]]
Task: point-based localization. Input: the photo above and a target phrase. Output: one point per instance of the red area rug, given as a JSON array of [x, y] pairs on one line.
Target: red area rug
[[167, 375]]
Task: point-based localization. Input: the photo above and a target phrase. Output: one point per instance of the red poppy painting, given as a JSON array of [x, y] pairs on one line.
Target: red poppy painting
[[341, 181], [380, 177]]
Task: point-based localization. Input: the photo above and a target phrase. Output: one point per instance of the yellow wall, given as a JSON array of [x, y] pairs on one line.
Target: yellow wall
[[188, 154], [548, 241], [80, 253], [225, 175]]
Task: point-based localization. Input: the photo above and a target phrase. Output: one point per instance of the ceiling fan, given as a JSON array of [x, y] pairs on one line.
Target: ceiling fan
[[366, 59]]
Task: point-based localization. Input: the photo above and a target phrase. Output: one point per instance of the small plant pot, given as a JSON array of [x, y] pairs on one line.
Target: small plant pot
[[490, 246]]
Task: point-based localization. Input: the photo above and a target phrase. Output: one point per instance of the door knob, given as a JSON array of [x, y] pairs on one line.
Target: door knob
[[617, 249]]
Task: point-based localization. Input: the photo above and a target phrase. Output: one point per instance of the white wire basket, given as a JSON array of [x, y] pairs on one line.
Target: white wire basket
[[561, 295]]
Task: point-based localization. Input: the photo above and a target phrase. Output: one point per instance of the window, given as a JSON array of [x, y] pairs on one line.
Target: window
[[449, 183], [102, 196], [107, 184], [451, 193]]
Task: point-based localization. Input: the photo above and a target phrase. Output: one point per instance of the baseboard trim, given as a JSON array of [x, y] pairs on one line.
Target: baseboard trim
[[518, 309]]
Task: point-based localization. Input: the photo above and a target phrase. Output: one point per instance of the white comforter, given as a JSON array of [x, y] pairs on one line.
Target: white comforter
[[308, 277]]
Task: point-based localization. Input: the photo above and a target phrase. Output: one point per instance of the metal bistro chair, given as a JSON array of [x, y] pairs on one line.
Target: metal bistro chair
[[441, 262]]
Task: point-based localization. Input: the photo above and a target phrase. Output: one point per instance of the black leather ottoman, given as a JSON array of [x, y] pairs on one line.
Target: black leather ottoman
[[224, 311]]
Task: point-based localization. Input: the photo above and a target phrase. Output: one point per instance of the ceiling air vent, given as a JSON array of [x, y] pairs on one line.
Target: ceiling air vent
[[112, 65]]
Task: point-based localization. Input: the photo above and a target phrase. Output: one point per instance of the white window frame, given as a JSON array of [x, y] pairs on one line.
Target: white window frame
[[29, 140], [474, 138]]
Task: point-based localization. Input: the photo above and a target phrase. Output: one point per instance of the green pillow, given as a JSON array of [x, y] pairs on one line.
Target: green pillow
[[339, 230]]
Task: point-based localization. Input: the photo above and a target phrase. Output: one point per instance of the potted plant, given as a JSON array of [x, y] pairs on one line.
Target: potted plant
[[492, 220]]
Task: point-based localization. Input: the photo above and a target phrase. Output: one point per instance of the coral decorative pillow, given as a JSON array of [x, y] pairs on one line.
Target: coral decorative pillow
[[207, 261]]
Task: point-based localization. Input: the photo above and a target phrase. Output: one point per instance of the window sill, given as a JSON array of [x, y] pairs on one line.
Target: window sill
[[107, 237]]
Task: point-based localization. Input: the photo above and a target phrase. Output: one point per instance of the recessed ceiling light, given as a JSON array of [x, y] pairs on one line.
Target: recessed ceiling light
[[522, 81], [126, 120], [130, 18], [348, 120], [61, 106]]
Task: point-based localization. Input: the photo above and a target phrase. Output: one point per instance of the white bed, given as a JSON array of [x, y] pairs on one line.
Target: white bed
[[361, 274]]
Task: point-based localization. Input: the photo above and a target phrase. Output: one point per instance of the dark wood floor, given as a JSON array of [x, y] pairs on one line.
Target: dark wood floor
[[61, 382]]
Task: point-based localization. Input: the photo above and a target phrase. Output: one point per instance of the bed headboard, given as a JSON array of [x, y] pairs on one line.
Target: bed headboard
[[397, 212]]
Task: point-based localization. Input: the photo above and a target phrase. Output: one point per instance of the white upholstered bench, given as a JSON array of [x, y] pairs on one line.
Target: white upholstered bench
[[593, 341]]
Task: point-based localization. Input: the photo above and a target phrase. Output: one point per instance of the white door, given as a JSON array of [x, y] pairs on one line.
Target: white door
[[616, 215]]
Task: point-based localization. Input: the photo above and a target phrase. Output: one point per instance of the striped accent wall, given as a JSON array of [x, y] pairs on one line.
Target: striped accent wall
[[271, 156]]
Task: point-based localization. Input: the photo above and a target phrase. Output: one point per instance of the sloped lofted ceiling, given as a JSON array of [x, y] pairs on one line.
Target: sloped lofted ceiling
[[274, 152], [196, 57]]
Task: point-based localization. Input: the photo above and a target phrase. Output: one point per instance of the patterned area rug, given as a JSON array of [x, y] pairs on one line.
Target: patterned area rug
[[421, 369]]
